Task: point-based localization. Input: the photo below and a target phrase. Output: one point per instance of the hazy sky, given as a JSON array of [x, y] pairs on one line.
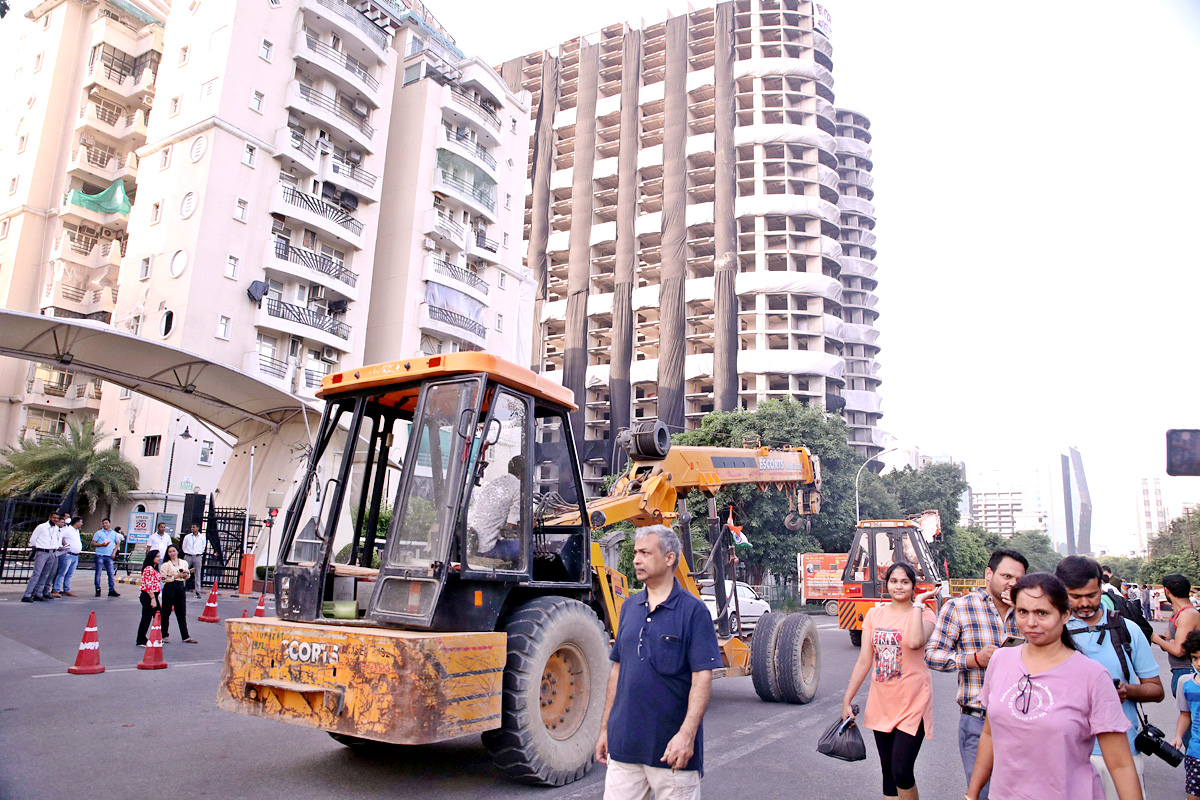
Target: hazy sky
[[1036, 174]]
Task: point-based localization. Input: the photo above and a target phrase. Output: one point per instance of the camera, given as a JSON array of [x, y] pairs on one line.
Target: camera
[[1152, 742]]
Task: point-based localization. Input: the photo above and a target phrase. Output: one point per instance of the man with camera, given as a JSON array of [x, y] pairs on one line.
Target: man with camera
[[1122, 648]]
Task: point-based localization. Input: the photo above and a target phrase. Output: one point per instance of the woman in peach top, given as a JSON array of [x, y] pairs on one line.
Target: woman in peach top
[[900, 698]]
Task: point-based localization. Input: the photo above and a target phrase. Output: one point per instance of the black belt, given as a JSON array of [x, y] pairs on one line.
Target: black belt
[[46, 549], [974, 712]]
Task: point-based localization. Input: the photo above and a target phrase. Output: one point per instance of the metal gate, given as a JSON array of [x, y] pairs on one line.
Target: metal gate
[[19, 515], [229, 524]]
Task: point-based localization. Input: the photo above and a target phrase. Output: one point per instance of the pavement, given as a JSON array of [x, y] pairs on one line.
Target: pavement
[[127, 729]]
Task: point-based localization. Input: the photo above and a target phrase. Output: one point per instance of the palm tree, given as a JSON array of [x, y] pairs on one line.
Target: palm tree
[[57, 461]]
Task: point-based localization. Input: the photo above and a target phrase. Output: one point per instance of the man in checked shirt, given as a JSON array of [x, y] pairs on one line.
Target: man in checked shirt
[[968, 630]]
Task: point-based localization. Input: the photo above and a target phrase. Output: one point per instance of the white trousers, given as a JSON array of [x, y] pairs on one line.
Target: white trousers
[[1110, 790], [639, 782]]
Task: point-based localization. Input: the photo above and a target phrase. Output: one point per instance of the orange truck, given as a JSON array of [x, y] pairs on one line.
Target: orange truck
[[821, 579]]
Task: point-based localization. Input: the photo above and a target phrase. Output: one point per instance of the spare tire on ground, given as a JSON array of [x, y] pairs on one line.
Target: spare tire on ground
[[762, 657], [798, 658]]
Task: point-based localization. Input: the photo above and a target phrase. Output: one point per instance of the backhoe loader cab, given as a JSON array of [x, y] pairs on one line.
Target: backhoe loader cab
[[485, 464]]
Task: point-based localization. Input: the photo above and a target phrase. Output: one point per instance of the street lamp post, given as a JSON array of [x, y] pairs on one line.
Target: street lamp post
[[859, 474], [171, 463]]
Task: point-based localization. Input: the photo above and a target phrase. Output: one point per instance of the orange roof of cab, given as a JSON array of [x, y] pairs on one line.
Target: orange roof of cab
[[446, 366]]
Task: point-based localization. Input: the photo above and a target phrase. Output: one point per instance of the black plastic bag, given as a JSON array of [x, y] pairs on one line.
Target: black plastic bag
[[842, 740]]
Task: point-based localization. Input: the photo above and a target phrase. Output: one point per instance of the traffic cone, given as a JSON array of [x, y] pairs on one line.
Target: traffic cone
[[154, 657], [261, 611], [88, 660], [210, 608], [244, 613]]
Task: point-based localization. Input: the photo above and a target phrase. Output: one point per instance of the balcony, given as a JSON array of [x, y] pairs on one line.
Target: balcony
[[346, 71], [472, 149], [353, 178], [293, 147], [478, 197], [89, 251], [444, 322], [483, 248], [61, 299], [63, 393], [309, 266], [484, 114], [352, 23], [73, 209], [319, 214], [303, 322], [464, 280], [445, 230], [326, 111], [97, 166]]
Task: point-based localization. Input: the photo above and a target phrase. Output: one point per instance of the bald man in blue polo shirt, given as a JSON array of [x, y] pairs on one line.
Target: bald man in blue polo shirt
[[651, 736]]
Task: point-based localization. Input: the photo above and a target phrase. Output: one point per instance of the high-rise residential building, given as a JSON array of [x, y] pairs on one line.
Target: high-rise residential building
[[997, 510], [320, 183], [684, 221], [1152, 514]]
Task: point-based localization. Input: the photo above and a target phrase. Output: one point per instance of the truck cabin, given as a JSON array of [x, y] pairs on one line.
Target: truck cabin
[[474, 457], [880, 543]]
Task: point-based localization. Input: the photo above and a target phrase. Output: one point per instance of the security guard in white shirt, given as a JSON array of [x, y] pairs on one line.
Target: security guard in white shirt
[[46, 541]]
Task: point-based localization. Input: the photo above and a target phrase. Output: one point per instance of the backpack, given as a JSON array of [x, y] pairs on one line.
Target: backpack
[[1120, 639], [1130, 610]]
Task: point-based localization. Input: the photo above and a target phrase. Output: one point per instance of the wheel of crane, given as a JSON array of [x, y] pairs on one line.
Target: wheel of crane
[[554, 686], [763, 671], [798, 657], [856, 638], [831, 608]]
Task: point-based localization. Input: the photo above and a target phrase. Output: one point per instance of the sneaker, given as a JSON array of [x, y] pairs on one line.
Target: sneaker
[[27, 599], [111, 593], [97, 593]]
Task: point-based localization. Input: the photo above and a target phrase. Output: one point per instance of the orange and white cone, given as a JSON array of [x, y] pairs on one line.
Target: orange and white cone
[[245, 613], [154, 656], [88, 660], [210, 608], [261, 611]]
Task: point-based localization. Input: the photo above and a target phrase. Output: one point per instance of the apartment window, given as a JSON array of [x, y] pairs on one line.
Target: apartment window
[[241, 210], [506, 240], [151, 446], [276, 3], [46, 21], [125, 393], [502, 279], [164, 158], [256, 101], [116, 444], [12, 185], [508, 201], [176, 104], [265, 50], [223, 325], [135, 324], [37, 62], [248, 155], [514, 124], [183, 55], [231, 268], [144, 270], [500, 322], [22, 140], [3, 228], [206, 452]]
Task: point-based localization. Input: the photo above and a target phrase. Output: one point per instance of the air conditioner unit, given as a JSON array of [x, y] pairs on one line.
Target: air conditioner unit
[[106, 233], [359, 108], [329, 354], [354, 157], [429, 244], [316, 292]]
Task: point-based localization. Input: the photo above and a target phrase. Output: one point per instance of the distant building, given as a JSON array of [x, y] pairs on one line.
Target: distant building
[[997, 510], [1072, 504], [1152, 514]]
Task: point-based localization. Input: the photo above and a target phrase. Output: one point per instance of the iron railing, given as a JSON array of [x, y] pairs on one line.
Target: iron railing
[[480, 194], [303, 145], [443, 267], [321, 263], [458, 320], [488, 115], [312, 378], [272, 366], [357, 19], [330, 104], [339, 58], [471, 146], [486, 243], [449, 227], [318, 206], [306, 316], [353, 171]]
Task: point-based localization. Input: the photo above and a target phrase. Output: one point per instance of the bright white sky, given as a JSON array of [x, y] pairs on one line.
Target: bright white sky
[[1036, 173]]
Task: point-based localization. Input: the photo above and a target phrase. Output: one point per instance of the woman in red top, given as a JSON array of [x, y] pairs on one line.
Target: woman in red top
[[151, 586]]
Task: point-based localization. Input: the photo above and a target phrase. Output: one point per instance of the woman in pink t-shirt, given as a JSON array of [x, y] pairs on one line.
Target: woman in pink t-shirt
[[1046, 706], [900, 698]]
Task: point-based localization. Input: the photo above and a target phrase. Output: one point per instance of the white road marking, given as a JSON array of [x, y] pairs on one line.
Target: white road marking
[[132, 669]]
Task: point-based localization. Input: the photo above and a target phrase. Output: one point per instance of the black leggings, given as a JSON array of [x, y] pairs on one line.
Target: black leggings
[[898, 755], [148, 611], [173, 599]]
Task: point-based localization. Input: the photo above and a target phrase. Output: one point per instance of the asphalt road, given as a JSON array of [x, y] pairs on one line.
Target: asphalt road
[[135, 733]]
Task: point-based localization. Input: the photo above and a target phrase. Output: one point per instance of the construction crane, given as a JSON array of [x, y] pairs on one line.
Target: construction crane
[[491, 609]]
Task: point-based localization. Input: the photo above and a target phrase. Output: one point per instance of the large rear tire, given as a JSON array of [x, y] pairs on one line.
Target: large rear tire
[[762, 658], [554, 687], [799, 658], [856, 638]]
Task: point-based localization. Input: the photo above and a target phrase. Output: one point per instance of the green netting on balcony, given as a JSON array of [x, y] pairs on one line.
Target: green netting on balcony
[[112, 200]]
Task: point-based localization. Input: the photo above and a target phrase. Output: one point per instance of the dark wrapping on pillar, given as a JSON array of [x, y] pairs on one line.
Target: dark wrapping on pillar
[[579, 257], [543, 155], [725, 265], [510, 73], [672, 313], [619, 391]]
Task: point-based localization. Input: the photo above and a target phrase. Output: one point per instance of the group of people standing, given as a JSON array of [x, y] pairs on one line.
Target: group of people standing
[[57, 544], [1048, 675], [163, 588]]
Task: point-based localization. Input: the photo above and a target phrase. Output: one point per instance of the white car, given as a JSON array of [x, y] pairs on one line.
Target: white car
[[749, 606]]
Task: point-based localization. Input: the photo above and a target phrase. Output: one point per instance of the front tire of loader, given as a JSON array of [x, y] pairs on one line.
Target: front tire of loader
[[554, 686], [763, 671], [799, 658]]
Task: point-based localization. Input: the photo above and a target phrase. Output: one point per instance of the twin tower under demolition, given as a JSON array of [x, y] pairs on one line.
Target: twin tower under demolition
[[699, 222]]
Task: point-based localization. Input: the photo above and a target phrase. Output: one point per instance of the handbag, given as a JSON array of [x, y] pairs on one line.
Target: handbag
[[842, 740]]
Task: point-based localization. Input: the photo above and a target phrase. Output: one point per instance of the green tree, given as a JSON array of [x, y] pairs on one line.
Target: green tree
[[1036, 547], [1155, 568], [1127, 569], [56, 462], [778, 424], [964, 550], [875, 501], [933, 487]]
